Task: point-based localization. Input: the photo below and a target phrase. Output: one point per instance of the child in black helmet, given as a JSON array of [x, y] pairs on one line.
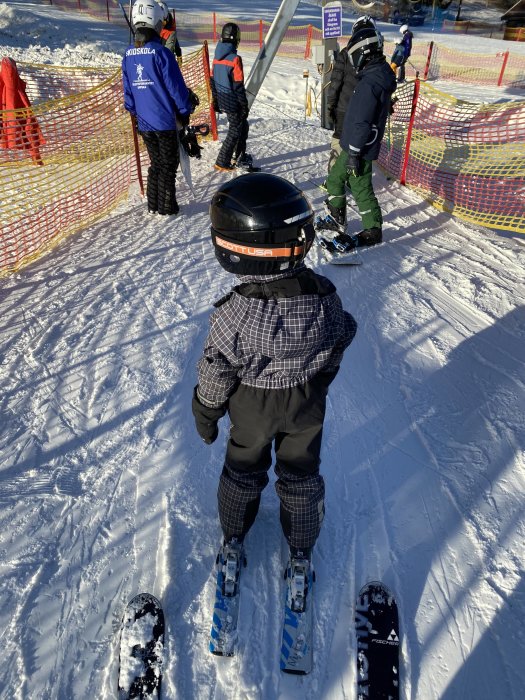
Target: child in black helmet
[[229, 96], [275, 345]]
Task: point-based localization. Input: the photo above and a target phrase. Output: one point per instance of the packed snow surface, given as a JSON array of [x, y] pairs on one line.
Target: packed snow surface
[[106, 489]]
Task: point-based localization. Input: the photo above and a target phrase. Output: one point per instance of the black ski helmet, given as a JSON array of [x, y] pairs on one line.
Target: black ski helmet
[[363, 22], [261, 224], [364, 45], [231, 33]]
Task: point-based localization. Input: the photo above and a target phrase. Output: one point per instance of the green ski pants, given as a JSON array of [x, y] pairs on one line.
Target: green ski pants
[[361, 188]]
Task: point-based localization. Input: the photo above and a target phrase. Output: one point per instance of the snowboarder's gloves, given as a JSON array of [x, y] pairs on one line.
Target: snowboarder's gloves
[[244, 111], [353, 166], [206, 418], [184, 119], [331, 113], [215, 105], [188, 141]]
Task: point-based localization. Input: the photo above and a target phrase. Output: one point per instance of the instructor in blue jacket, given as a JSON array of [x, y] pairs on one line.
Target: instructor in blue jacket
[[155, 93]]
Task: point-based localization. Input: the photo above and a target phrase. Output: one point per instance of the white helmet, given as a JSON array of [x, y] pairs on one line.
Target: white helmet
[[147, 13], [165, 10], [403, 28]]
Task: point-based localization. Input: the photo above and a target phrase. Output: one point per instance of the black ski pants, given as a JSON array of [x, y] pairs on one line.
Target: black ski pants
[[163, 151], [235, 142], [290, 420]]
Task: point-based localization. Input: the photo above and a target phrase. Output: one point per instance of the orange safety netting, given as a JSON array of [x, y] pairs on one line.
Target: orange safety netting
[[466, 158], [67, 162]]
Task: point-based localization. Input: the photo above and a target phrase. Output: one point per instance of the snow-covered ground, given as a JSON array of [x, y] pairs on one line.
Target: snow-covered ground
[[106, 489]]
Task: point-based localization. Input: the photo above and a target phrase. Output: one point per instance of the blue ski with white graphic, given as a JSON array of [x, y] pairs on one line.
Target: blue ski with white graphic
[[230, 562], [296, 647]]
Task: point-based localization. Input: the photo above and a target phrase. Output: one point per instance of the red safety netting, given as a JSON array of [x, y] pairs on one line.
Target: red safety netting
[[466, 158]]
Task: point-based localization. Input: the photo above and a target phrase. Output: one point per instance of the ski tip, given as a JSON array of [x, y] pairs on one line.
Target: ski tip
[[145, 598], [376, 587]]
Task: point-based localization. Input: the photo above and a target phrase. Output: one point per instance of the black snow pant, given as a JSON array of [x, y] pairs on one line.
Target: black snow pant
[[235, 142], [292, 421], [163, 151]]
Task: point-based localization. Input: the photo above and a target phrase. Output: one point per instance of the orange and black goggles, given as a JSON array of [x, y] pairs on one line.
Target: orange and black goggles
[[291, 250]]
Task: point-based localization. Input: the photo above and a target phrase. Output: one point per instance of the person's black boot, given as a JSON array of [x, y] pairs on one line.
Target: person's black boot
[[370, 236], [337, 214]]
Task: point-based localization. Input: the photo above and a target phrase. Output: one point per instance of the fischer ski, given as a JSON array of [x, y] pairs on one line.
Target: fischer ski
[[377, 630], [141, 649], [230, 561], [296, 647]]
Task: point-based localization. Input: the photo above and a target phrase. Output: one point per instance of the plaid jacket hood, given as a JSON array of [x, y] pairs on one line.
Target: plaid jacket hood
[[272, 343]]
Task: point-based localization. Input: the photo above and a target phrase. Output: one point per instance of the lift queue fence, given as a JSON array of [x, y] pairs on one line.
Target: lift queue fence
[[69, 160], [466, 158]]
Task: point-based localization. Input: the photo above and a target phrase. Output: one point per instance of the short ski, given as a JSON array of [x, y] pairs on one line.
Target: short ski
[[230, 562], [377, 630], [141, 649], [296, 647]]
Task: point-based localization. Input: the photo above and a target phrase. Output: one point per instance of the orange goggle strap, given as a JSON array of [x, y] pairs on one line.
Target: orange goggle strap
[[294, 250]]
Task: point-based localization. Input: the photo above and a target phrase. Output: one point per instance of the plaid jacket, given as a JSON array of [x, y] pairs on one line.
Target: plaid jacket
[[272, 343]]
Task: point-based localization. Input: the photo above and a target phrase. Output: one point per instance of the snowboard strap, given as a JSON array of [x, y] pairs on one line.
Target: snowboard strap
[[305, 282]]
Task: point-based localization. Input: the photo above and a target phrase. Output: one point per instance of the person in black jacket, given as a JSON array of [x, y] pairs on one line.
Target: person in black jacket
[[342, 85], [363, 129]]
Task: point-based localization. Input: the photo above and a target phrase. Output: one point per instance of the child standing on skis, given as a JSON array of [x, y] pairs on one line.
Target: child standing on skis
[[275, 345]]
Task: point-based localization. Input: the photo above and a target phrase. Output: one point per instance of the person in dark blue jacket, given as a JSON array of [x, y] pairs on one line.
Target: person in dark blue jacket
[[402, 52], [155, 93], [361, 136], [229, 96]]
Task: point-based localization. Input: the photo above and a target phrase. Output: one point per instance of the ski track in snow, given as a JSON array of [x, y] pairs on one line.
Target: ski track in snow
[[106, 489]]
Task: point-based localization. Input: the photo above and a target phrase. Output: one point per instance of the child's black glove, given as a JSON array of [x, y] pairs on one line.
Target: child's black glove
[[206, 418], [353, 166], [184, 119]]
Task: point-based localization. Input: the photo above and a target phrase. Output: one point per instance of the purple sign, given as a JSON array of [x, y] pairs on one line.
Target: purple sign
[[332, 20]]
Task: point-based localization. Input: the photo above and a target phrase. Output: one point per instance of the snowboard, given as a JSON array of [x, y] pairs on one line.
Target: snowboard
[[334, 257], [377, 630], [350, 258], [141, 649]]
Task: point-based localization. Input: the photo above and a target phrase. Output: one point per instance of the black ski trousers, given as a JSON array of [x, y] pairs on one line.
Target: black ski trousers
[[290, 420], [163, 151], [235, 142]]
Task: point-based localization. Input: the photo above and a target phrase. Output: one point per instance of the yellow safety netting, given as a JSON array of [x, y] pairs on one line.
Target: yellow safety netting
[[68, 161], [466, 158]]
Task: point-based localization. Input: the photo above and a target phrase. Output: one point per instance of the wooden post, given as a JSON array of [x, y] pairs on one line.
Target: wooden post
[[308, 47], [429, 58], [213, 117], [406, 154], [503, 66], [137, 154]]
